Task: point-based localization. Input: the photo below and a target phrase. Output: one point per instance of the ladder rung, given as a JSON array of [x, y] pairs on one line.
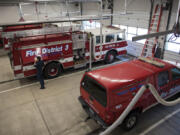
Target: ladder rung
[[148, 49], [156, 14], [153, 27], [151, 41], [150, 45], [153, 32], [148, 53], [155, 19]]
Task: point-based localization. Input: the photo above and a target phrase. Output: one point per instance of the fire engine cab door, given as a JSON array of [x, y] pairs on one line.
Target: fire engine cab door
[[163, 83]]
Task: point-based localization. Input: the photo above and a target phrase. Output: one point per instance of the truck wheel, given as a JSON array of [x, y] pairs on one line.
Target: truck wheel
[[52, 70], [110, 57], [130, 121]]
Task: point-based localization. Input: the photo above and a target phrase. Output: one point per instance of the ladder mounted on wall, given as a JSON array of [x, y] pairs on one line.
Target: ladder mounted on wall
[[151, 43]]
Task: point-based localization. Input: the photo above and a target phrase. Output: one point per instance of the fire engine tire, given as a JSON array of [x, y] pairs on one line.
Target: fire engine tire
[[110, 57], [52, 70], [130, 121]]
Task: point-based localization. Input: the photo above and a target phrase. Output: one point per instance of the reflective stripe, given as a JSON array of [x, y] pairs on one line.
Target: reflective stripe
[[99, 53], [66, 60], [17, 76], [104, 52], [33, 46], [7, 46], [60, 42], [87, 54], [18, 67], [121, 49], [30, 67]]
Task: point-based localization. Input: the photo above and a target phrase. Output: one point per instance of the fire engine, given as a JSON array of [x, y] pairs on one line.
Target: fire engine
[[106, 92], [62, 50], [5, 37]]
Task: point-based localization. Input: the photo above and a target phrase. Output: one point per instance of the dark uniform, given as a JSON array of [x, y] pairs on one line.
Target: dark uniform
[[39, 66]]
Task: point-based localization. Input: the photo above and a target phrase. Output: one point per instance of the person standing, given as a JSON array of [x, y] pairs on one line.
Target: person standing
[[39, 64]]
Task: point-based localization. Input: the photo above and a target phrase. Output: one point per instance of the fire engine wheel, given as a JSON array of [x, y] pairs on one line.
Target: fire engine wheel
[[52, 70], [130, 121], [110, 57]]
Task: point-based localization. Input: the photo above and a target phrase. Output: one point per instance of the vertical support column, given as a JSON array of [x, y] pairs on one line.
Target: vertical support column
[[151, 11], [81, 8], [167, 26], [90, 52], [112, 10], [101, 25]]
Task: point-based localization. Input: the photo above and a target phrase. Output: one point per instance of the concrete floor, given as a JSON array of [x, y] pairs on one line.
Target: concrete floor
[[27, 110], [56, 111], [6, 73]]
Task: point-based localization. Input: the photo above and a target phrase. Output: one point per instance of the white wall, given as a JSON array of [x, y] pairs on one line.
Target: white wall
[[139, 10], [90, 8]]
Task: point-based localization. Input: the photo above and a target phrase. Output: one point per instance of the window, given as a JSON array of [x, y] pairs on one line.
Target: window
[[98, 39], [141, 41], [116, 25], [175, 73], [173, 43], [90, 24], [129, 36], [95, 90], [120, 36], [123, 27], [173, 47], [97, 25], [163, 78], [132, 30], [142, 31], [109, 38]]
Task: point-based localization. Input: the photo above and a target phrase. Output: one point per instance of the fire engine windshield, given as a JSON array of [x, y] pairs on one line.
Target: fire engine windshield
[[96, 90]]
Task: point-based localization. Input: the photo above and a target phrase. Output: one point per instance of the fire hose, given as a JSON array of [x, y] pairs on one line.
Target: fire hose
[[134, 101]]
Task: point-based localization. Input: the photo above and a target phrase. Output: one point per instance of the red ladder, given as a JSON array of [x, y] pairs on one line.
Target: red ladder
[[150, 44]]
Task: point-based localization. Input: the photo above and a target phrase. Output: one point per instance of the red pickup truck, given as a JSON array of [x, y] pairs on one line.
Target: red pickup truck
[[105, 93]]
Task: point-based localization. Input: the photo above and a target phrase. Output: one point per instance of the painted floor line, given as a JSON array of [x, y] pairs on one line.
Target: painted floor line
[[64, 76], [24, 86], [159, 122]]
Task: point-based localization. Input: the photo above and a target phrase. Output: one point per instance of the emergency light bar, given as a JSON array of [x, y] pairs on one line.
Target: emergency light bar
[[151, 61]]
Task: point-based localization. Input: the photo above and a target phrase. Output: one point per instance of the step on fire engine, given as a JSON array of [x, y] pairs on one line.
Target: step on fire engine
[[64, 50]]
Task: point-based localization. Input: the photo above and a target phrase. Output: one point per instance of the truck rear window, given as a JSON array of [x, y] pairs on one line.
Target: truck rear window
[[95, 90]]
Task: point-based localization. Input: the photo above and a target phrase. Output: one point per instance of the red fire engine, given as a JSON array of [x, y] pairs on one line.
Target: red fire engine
[[63, 50], [9, 32], [106, 93]]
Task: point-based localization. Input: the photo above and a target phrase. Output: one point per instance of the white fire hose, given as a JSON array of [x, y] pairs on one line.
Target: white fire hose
[[134, 101]]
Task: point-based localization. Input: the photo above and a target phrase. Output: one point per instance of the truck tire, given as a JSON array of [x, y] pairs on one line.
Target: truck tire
[[110, 57], [52, 70], [130, 121]]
